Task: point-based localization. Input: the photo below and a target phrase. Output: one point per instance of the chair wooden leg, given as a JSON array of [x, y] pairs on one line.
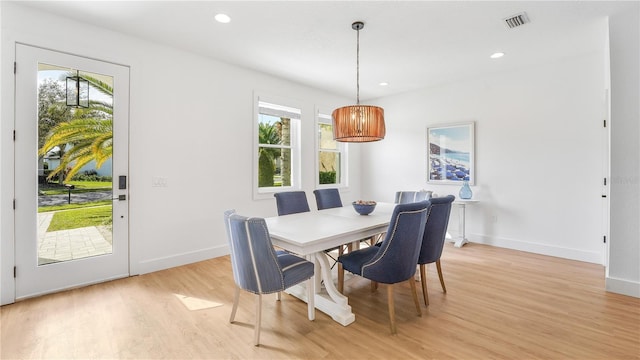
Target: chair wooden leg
[[311, 296], [256, 330], [414, 293], [279, 295], [374, 286], [340, 278], [444, 289], [423, 280], [236, 298], [392, 309]]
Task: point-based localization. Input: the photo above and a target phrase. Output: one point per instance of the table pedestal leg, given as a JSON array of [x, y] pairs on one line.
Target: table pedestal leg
[[329, 301], [316, 272]]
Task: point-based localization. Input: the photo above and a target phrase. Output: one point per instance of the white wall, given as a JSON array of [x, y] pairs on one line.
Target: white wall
[[191, 122], [538, 154], [624, 251], [562, 105]]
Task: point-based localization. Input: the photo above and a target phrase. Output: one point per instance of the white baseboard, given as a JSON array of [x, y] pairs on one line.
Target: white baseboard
[[73, 286], [536, 248], [151, 265], [622, 286]]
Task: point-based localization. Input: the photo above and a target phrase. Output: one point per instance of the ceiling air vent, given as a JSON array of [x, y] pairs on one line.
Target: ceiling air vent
[[516, 20]]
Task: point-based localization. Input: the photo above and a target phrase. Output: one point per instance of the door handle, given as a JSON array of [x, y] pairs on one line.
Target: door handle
[[120, 198]]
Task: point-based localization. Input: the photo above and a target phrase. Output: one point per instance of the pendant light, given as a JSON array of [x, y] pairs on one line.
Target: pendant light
[[358, 123], [77, 91]]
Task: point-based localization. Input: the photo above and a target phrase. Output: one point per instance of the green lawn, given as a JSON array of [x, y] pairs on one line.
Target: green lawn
[[80, 186], [73, 206], [77, 218], [92, 184]]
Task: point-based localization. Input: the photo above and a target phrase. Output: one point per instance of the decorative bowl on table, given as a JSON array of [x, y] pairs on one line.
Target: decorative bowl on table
[[364, 207]]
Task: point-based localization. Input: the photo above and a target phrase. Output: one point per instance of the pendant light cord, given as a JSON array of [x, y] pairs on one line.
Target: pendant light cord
[[358, 68]]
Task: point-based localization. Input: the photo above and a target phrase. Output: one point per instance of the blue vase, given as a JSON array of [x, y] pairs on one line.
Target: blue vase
[[465, 191]]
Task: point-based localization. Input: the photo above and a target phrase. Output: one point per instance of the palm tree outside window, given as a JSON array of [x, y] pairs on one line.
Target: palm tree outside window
[[278, 140]]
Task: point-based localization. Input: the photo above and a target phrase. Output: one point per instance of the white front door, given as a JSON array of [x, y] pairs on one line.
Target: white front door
[[70, 231]]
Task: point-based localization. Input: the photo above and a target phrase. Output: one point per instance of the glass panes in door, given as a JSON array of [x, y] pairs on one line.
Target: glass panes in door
[[74, 164]]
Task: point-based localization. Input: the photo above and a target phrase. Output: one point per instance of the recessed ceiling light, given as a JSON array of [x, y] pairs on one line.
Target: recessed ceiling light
[[383, 83], [497, 55], [222, 18]]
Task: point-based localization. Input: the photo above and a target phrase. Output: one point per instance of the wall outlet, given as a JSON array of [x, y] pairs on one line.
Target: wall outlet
[[159, 181]]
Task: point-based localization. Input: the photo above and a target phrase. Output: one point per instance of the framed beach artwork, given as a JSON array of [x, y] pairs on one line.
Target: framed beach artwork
[[450, 153]]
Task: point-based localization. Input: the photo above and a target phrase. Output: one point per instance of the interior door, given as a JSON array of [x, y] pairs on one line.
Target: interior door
[[71, 171]]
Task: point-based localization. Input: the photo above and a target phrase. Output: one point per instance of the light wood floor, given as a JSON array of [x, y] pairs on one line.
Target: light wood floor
[[500, 304]]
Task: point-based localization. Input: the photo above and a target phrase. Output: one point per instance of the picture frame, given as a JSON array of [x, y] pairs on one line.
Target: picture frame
[[451, 153]]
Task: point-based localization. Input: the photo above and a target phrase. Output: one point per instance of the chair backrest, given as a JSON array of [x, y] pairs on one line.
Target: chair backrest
[[253, 259], [397, 257], [404, 197], [327, 198], [291, 202], [435, 229]]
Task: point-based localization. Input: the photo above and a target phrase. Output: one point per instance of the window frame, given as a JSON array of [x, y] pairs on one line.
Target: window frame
[[322, 116], [295, 145]]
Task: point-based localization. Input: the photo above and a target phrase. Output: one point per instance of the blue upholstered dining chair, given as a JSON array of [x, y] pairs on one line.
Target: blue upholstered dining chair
[[435, 232], [327, 198], [259, 269], [291, 202], [395, 260], [403, 197]]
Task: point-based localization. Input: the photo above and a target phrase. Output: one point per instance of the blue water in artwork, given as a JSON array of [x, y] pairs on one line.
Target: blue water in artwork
[[461, 157]]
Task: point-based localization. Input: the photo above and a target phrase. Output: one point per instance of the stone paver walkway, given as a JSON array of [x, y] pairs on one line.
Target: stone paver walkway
[[70, 244]]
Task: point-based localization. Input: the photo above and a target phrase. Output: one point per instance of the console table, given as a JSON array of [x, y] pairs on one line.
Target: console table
[[461, 238]]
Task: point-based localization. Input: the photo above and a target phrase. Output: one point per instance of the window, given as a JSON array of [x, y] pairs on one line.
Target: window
[[278, 150], [331, 162]]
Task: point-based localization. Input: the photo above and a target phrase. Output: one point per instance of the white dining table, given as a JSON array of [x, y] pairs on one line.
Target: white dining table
[[310, 233]]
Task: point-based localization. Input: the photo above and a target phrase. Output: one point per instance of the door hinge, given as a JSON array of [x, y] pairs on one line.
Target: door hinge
[[604, 123], [605, 181], [14, 135], [604, 239], [15, 66], [14, 204], [14, 272]]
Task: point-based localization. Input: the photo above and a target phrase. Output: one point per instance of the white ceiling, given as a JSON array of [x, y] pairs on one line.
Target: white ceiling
[[409, 44]]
